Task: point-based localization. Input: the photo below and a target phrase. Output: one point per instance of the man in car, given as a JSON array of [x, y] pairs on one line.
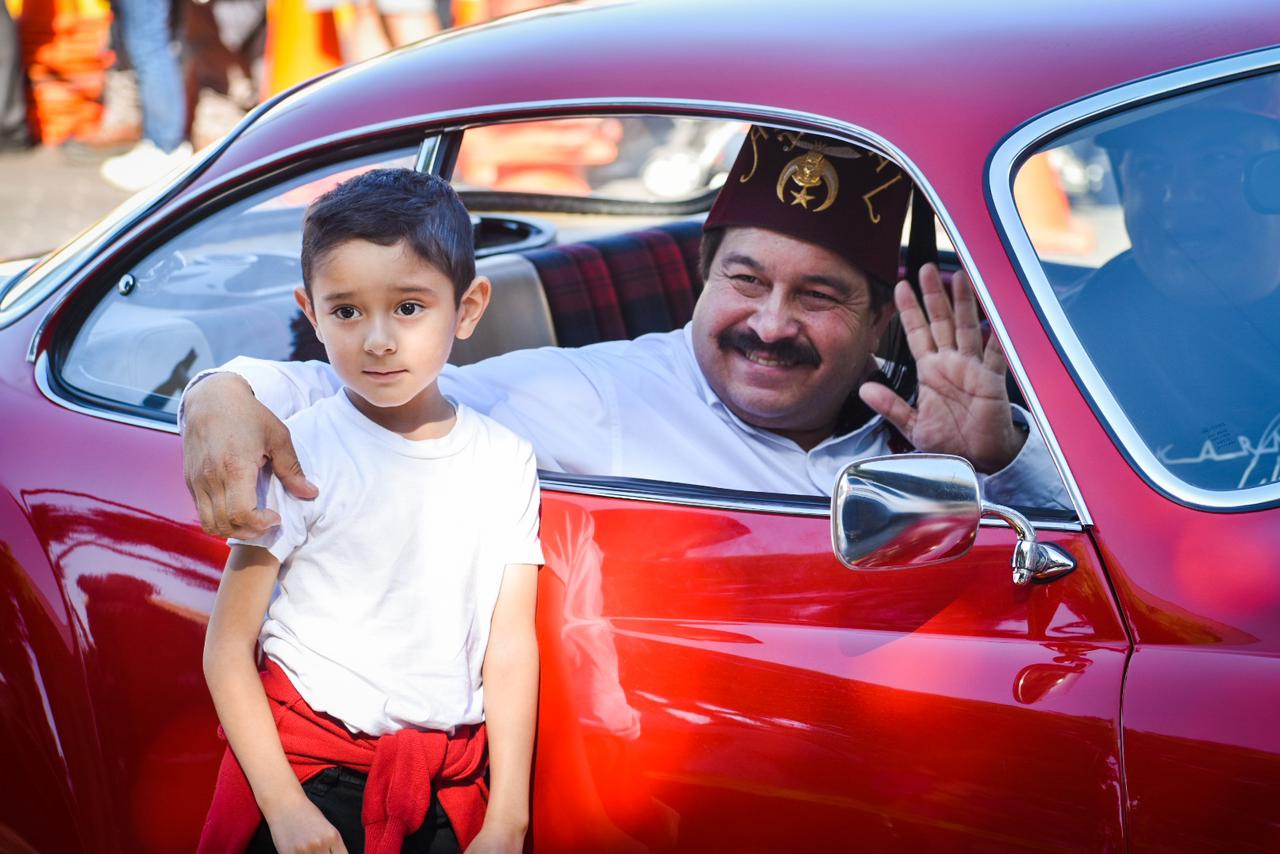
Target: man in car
[[772, 387], [1184, 327]]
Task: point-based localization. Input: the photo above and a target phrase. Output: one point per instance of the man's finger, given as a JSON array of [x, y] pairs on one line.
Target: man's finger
[[204, 507], [938, 305], [911, 316], [886, 401], [993, 357], [968, 331], [285, 465]]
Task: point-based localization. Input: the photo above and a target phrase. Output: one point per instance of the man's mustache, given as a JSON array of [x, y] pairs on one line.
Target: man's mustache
[[788, 350]]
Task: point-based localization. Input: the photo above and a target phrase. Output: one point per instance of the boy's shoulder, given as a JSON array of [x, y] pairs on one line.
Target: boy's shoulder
[[494, 438], [318, 426]]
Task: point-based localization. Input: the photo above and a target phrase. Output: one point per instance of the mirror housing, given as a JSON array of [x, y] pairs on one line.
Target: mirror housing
[[920, 509], [904, 511]]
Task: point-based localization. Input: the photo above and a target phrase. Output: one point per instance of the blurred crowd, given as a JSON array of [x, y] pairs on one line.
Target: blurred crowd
[[137, 85]]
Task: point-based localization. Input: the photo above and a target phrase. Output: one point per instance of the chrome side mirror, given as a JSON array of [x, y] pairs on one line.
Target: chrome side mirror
[[920, 509]]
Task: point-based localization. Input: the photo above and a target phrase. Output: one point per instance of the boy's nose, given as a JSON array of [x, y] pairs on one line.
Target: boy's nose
[[379, 341]]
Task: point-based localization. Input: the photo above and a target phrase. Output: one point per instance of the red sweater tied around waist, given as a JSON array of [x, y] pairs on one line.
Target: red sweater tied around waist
[[403, 767]]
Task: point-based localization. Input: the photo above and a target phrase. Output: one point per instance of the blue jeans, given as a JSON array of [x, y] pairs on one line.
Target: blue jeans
[[145, 30]]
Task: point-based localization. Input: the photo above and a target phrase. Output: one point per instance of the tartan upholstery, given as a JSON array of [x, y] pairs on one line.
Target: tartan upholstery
[[622, 286]]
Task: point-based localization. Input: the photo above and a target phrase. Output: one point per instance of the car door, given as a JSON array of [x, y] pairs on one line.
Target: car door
[[715, 679], [1169, 333]]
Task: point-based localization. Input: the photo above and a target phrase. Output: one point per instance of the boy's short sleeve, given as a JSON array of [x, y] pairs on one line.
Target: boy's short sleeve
[[523, 544], [283, 539]]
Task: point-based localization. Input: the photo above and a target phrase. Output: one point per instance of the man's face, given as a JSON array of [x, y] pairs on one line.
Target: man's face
[[784, 332], [387, 320], [1194, 234]]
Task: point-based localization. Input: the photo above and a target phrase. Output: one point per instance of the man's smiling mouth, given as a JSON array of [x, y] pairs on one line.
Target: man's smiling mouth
[[766, 359], [786, 353]]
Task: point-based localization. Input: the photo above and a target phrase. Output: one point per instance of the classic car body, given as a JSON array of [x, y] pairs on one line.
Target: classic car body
[[713, 677]]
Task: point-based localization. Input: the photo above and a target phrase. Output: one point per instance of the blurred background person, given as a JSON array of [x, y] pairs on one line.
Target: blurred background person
[[146, 31]]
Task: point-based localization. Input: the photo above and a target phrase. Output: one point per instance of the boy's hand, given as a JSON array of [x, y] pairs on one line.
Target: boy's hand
[[227, 437], [497, 840], [302, 829]]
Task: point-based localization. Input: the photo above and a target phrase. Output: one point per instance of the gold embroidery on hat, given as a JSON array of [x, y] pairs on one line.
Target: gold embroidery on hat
[[754, 134], [866, 197], [809, 170]]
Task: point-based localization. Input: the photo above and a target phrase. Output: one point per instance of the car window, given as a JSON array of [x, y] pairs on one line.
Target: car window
[[1158, 230], [223, 287]]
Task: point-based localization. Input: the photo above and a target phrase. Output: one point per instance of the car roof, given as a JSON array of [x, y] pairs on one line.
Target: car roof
[[905, 70]]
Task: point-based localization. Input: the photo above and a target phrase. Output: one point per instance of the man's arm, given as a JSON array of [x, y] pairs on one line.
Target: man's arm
[[510, 708], [229, 665]]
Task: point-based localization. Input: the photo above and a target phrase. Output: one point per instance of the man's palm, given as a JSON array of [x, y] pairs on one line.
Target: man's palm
[[961, 407]]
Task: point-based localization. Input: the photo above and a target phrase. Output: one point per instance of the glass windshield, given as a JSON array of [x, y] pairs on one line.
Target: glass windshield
[[1159, 231]]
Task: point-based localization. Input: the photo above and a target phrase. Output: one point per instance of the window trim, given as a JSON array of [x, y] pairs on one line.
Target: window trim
[[1002, 167], [443, 122]]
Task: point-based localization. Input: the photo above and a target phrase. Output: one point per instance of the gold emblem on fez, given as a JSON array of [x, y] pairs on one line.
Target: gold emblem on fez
[[809, 170]]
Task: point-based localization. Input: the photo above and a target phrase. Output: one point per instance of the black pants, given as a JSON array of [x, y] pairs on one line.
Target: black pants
[[339, 793]]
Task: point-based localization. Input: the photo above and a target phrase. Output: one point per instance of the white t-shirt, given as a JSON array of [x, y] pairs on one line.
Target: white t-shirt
[[643, 408], [389, 578]]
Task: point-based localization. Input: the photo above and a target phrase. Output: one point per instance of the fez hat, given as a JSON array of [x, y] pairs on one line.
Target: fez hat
[[843, 198]]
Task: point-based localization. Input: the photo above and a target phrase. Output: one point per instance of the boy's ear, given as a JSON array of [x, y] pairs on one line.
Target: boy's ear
[[472, 305], [304, 303]]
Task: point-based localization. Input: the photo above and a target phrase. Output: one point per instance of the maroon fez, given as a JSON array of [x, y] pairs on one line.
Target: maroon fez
[[819, 190]]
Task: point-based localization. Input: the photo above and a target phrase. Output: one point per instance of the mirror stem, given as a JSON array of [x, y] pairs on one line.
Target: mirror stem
[[1032, 560]]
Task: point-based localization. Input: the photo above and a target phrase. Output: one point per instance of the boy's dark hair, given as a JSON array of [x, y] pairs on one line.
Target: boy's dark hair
[[385, 206]]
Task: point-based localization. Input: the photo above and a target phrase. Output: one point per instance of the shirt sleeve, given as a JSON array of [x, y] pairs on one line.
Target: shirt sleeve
[[523, 543], [285, 388], [1031, 480], [285, 538]]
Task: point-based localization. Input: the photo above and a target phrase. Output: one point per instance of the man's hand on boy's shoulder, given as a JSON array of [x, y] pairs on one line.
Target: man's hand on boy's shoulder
[[224, 425]]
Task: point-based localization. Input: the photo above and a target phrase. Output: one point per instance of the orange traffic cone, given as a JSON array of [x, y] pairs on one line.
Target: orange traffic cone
[[300, 44]]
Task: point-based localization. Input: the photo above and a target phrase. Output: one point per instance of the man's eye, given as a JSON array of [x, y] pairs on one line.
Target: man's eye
[[409, 309], [819, 296], [345, 312]]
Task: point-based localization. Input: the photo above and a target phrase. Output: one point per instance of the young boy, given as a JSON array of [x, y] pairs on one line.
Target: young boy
[[404, 587]]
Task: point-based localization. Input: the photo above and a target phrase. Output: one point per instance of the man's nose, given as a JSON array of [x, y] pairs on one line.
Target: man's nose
[[774, 318], [378, 339]]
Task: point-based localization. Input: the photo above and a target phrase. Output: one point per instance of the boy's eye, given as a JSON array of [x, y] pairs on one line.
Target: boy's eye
[[409, 309], [345, 312]]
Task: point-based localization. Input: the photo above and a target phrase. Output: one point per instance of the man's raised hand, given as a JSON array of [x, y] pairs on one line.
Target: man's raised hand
[[962, 406]]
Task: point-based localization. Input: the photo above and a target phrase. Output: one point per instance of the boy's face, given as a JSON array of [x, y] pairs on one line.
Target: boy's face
[[388, 320]]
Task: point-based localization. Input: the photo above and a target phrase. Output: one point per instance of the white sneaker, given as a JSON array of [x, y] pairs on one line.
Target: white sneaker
[[142, 165]]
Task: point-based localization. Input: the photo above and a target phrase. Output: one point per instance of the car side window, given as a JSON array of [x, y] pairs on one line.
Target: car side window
[[222, 287], [1166, 265]]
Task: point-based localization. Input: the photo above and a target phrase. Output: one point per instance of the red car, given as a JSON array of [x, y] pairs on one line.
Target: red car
[[715, 677]]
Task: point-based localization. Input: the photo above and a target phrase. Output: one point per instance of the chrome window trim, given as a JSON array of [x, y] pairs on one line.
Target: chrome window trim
[[1005, 161], [523, 110]]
